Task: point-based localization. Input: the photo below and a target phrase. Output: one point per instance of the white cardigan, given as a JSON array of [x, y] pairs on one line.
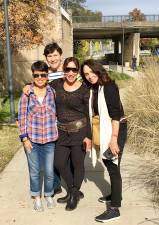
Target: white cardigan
[[105, 124]]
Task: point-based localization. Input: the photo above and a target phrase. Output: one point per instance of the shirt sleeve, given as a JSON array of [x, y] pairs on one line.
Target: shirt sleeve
[[55, 83], [113, 102], [22, 116], [86, 104]]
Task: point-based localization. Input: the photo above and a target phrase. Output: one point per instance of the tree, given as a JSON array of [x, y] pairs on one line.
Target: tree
[[81, 48], [75, 5], [24, 22], [137, 15]]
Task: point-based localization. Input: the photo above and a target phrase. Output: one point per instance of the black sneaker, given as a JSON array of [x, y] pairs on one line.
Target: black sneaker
[[109, 215], [105, 199]]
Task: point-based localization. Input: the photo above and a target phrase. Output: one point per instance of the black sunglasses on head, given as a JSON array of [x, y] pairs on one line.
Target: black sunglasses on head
[[68, 69], [42, 75]]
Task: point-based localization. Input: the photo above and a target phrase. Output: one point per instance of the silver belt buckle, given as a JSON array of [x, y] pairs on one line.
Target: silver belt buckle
[[78, 124]]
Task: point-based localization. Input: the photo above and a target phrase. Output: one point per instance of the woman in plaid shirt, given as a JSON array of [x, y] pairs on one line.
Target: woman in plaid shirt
[[38, 132]]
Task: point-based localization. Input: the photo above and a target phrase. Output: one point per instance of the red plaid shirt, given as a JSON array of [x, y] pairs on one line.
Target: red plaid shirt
[[38, 121]]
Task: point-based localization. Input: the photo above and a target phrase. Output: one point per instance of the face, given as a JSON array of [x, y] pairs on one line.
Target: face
[[90, 75], [54, 60], [40, 78], [71, 72]]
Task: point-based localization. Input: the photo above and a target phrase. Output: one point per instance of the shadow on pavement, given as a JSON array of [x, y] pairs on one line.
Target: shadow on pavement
[[96, 175]]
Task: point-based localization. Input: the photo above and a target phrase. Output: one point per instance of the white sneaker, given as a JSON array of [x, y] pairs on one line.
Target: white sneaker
[[38, 205], [50, 202]]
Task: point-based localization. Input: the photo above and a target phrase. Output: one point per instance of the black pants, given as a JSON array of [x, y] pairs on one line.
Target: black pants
[[76, 154], [114, 170]]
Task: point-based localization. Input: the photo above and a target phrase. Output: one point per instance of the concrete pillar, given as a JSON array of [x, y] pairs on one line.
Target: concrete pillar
[[116, 47], [131, 47], [116, 50], [136, 46]]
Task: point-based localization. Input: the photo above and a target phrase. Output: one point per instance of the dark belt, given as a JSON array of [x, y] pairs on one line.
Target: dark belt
[[73, 126]]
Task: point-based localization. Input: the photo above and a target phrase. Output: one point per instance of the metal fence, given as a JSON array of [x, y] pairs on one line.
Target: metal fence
[[118, 18]]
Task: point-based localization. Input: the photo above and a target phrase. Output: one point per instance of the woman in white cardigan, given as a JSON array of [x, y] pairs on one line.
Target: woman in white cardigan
[[105, 102]]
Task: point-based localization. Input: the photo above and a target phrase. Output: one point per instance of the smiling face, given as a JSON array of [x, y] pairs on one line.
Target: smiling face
[[40, 78], [71, 72], [90, 75], [54, 60]]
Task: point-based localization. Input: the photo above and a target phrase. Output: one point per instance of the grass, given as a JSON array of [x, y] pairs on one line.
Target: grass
[[5, 108], [142, 108], [119, 76], [9, 144], [9, 135], [122, 79]]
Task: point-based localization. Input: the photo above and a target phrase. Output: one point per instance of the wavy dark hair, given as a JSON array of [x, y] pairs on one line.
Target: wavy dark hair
[[98, 69], [71, 59]]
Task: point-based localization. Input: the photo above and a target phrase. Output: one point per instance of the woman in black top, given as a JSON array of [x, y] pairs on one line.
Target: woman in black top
[[96, 76], [72, 102]]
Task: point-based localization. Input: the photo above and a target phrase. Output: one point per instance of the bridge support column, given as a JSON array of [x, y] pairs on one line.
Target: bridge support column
[[116, 47], [131, 47]]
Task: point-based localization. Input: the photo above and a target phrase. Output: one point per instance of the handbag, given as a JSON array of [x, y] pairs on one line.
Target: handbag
[[96, 130]]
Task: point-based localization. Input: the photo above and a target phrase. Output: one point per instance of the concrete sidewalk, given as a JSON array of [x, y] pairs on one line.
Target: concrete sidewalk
[[16, 205]]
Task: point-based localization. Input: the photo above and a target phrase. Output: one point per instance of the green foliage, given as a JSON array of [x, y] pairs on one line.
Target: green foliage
[[5, 108], [119, 76], [81, 49], [149, 43], [9, 144]]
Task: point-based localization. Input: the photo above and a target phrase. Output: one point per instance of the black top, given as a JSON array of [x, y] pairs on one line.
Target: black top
[[114, 105], [72, 106]]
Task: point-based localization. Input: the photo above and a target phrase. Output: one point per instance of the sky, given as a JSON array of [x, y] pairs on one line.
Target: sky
[[123, 7]]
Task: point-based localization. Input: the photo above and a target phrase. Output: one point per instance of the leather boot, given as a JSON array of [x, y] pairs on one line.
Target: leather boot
[[64, 199], [73, 200]]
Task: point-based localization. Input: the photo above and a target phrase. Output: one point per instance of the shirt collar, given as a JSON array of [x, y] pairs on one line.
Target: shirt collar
[[48, 88]]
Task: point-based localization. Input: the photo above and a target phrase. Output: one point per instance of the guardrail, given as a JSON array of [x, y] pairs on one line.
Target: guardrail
[[118, 18]]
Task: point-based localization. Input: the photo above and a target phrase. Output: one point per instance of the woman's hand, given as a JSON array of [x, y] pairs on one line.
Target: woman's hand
[[26, 89], [87, 144], [27, 145], [114, 146]]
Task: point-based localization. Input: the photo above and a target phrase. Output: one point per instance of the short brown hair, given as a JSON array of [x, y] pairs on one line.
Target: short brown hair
[[71, 59]]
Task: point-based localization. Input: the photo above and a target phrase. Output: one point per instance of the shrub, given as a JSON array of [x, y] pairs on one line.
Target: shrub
[[142, 107]]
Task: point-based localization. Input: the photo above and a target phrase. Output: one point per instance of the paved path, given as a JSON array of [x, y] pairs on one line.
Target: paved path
[[16, 205]]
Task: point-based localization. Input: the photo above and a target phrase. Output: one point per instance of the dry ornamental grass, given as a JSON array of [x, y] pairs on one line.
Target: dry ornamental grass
[[142, 107]]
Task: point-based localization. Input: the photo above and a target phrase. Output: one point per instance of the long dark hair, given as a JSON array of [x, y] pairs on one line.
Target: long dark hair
[[98, 69]]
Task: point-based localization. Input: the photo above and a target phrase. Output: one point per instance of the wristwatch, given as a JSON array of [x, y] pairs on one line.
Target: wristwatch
[[24, 139]]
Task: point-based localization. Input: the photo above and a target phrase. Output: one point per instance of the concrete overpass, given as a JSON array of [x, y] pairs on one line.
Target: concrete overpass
[[121, 29]]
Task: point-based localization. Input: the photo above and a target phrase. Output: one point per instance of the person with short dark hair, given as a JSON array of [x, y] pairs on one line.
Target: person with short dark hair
[[72, 98], [38, 133], [53, 54], [134, 59], [105, 103]]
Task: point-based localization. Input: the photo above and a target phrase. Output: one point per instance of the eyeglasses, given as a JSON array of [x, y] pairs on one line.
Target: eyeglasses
[[42, 75], [68, 69]]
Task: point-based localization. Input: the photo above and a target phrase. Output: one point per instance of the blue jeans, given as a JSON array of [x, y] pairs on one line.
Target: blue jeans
[[41, 156]]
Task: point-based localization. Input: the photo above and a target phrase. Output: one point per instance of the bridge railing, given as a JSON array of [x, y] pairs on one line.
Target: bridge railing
[[118, 18]]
